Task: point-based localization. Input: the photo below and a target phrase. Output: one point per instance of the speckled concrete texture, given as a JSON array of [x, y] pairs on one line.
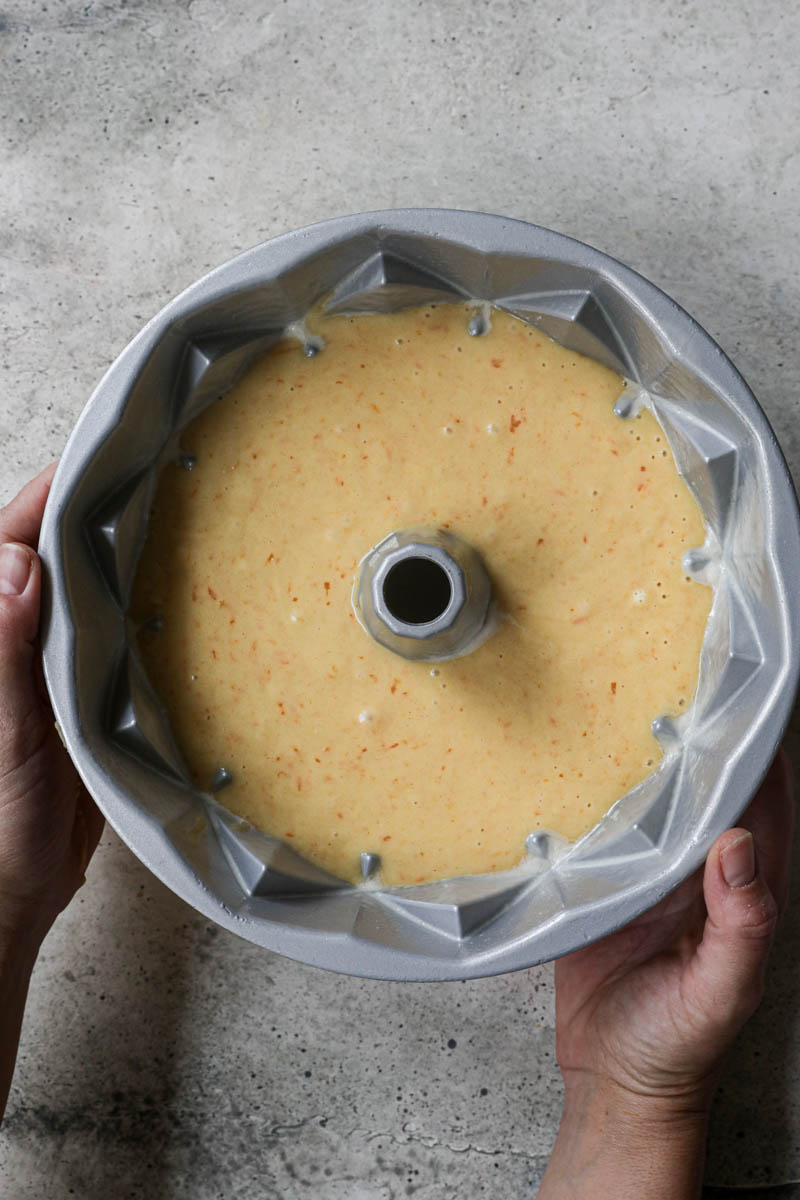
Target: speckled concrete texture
[[146, 141]]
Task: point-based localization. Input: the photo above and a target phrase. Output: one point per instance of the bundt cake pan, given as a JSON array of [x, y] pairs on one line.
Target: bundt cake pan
[[561, 896]]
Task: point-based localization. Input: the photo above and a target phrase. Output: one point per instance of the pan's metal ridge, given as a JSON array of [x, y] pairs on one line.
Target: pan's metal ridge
[[561, 896]]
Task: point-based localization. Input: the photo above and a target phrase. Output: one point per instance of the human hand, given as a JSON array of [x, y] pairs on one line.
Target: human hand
[[49, 826], [644, 1017], [653, 1007]]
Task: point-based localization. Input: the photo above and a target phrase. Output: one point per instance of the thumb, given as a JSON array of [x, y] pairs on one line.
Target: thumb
[[742, 915], [20, 704]]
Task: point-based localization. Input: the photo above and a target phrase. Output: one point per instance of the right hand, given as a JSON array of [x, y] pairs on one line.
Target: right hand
[[651, 1009]]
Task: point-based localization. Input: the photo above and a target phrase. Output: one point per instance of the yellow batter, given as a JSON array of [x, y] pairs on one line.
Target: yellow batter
[[340, 746]]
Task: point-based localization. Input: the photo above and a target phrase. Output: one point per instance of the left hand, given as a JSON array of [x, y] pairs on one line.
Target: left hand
[[49, 825]]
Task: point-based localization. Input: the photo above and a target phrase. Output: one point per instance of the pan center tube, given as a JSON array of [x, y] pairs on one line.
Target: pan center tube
[[424, 594]]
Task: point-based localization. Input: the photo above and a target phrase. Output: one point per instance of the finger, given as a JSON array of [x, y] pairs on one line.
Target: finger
[[728, 968], [20, 589], [21, 518], [20, 706]]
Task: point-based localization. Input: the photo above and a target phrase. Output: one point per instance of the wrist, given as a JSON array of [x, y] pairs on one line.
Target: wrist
[[617, 1142], [680, 1101], [23, 927], [19, 947]]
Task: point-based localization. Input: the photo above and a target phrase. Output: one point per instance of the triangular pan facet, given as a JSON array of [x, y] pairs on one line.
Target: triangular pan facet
[[135, 723], [655, 822], [706, 458], [385, 925], [731, 663], [212, 365], [115, 532], [635, 825], [263, 865], [385, 283], [573, 319], [458, 920]]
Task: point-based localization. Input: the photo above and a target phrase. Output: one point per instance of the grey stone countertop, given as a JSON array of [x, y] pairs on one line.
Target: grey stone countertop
[[145, 141]]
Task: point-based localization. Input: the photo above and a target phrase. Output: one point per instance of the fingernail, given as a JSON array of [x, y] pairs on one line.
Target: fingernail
[[15, 569], [738, 861]]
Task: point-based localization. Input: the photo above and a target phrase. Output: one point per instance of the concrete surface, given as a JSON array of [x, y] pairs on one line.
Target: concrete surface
[[146, 141]]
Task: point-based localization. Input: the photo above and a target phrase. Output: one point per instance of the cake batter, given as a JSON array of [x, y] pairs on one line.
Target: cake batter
[[339, 746]]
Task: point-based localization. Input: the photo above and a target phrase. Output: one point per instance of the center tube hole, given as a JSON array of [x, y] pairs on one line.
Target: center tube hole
[[417, 590]]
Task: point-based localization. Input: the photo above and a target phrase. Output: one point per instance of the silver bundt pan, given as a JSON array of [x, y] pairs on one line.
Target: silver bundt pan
[[561, 897]]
